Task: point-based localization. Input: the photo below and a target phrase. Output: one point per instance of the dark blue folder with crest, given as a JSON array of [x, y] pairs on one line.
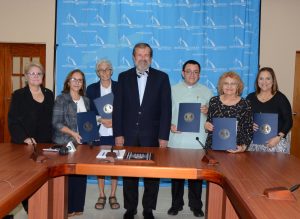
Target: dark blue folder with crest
[[87, 126], [267, 127], [224, 134], [104, 105], [189, 117]]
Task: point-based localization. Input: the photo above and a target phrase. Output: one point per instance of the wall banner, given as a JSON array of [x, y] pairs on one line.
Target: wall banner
[[222, 35]]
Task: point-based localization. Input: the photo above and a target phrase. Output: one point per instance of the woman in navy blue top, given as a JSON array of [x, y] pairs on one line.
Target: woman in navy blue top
[[101, 88]]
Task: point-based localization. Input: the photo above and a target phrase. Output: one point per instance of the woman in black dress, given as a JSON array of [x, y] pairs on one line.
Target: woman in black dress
[[268, 99], [230, 104], [30, 113]]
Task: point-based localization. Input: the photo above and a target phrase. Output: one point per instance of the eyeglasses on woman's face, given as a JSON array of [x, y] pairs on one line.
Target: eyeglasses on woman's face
[[230, 84], [76, 80], [35, 74], [107, 70]]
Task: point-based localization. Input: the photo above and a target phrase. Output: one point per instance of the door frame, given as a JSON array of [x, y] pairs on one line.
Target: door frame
[[7, 52]]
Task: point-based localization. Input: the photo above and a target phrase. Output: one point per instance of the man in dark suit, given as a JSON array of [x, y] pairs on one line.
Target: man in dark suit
[[142, 117]]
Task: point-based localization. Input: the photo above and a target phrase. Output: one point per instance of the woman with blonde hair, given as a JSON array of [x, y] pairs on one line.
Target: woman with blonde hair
[[230, 104], [30, 112]]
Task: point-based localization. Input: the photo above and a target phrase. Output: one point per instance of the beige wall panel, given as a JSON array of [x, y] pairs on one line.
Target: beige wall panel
[[30, 21], [280, 39]]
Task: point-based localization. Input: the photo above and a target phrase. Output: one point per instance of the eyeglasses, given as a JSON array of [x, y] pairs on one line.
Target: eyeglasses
[[104, 70], [230, 84], [189, 72], [75, 80], [32, 74]]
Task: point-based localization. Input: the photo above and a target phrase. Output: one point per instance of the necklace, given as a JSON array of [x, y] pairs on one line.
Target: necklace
[[229, 100], [36, 92], [75, 96], [76, 100], [264, 98]]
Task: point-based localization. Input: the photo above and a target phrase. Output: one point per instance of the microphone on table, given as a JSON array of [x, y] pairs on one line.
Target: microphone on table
[[111, 156], [202, 145], [207, 158], [294, 187], [35, 155], [111, 153]]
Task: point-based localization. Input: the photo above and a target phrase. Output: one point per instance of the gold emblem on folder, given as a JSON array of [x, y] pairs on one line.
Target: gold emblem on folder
[[189, 117], [224, 134], [87, 126], [107, 108], [265, 129]]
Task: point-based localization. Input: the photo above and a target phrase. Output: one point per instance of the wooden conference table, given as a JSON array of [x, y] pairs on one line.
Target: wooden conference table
[[235, 188]]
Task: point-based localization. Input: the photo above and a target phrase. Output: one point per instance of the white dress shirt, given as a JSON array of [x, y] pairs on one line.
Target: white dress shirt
[[142, 81]]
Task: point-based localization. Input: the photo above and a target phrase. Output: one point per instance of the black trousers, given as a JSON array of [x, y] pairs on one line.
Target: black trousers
[[76, 193], [194, 194], [130, 184], [131, 193]]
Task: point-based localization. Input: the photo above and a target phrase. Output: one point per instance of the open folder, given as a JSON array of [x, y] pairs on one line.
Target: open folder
[[104, 105]]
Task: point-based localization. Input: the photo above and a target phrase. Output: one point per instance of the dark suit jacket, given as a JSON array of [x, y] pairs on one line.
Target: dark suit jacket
[[26, 119], [93, 91], [149, 121]]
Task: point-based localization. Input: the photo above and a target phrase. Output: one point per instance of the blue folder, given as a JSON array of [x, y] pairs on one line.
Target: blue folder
[[104, 105], [87, 126], [224, 134], [267, 127], [189, 117]]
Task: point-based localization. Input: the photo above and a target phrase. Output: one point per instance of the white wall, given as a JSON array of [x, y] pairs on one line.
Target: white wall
[[33, 21], [280, 39], [30, 21]]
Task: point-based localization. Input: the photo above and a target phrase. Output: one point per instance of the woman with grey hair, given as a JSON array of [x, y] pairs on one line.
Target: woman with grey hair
[[101, 88]]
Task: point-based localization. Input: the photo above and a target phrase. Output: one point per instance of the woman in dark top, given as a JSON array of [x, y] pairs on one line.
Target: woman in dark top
[[229, 104], [101, 88], [268, 99], [30, 113]]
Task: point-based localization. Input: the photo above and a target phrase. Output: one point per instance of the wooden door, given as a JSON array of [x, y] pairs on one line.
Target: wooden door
[[13, 59], [295, 145]]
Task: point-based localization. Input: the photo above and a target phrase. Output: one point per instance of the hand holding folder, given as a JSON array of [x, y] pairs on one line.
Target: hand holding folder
[[104, 105], [224, 134], [87, 126], [189, 117], [267, 127]]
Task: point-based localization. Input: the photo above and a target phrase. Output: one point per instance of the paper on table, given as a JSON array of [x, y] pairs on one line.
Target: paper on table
[[120, 154]]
